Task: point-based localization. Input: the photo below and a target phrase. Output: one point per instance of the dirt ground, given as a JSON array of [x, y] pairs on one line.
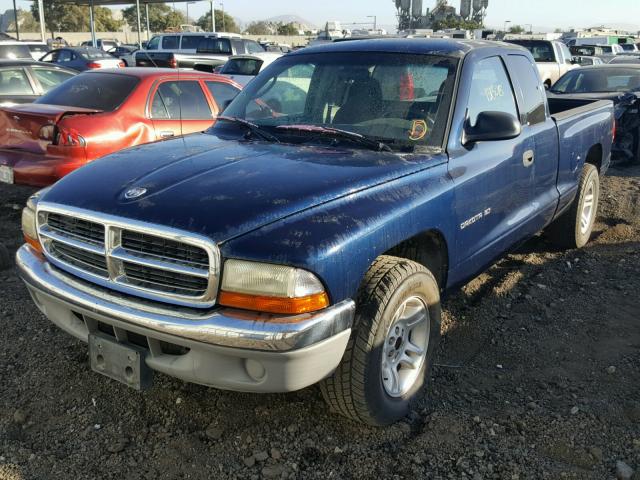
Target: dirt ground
[[538, 376]]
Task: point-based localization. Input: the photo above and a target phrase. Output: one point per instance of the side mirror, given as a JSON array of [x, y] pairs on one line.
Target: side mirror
[[491, 126]]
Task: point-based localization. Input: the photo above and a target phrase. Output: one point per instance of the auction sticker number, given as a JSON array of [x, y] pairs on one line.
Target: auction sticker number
[[6, 174]]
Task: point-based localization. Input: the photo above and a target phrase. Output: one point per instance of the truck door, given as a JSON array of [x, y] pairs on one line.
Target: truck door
[[179, 107], [493, 184], [541, 134]]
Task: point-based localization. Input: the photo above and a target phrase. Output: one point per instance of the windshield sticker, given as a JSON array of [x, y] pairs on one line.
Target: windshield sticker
[[418, 130]]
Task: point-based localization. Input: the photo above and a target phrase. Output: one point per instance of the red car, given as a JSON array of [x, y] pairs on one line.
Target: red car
[[101, 112]]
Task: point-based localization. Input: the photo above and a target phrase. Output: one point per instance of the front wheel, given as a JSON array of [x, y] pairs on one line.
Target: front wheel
[[573, 228], [389, 354]]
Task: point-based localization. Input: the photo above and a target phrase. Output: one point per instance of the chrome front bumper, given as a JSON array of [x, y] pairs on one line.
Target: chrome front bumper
[[290, 351]]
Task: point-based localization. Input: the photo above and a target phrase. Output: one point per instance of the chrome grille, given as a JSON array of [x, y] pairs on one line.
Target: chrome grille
[[143, 244], [76, 228], [96, 264], [146, 260], [163, 280]]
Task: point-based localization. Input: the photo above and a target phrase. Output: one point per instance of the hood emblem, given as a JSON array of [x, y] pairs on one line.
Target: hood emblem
[[134, 193]]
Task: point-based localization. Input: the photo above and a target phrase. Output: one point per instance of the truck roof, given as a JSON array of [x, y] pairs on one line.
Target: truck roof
[[433, 46]]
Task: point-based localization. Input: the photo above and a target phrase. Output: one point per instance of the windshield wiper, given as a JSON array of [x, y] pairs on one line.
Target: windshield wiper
[[251, 127], [354, 137]]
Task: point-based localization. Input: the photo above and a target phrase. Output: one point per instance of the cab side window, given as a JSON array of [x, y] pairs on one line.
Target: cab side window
[[180, 100], [14, 82], [170, 42], [533, 95], [65, 56], [490, 90], [154, 43]]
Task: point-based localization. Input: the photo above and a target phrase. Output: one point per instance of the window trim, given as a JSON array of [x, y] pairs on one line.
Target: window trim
[[164, 37], [502, 61], [212, 99], [205, 91], [35, 90], [31, 72], [519, 95]]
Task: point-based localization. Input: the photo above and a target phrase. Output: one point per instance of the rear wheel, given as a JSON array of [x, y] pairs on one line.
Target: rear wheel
[[573, 228], [396, 330]]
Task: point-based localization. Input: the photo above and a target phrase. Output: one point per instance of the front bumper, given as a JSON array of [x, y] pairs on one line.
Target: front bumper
[[223, 348]]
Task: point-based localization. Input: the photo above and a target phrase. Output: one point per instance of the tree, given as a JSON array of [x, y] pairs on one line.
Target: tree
[[26, 22], [456, 23], [105, 22], [259, 28], [58, 18], [229, 24], [288, 29], [516, 29], [557, 30], [161, 17], [71, 18]]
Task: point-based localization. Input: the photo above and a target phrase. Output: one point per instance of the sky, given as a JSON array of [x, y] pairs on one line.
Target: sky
[[542, 13]]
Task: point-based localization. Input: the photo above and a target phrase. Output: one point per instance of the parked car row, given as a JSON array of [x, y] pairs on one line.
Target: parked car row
[[101, 112]]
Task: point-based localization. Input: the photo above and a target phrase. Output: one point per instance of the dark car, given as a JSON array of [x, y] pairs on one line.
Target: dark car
[[24, 81], [82, 58], [626, 60], [619, 83]]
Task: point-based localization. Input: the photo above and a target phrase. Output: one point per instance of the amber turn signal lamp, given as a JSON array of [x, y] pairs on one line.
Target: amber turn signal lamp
[[33, 243], [310, 303]]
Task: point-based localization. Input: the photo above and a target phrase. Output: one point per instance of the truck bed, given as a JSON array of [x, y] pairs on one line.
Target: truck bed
[[580, 123], [562, 108]]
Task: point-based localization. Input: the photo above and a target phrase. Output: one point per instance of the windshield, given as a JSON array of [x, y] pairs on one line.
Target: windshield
[[587, 51], [93, 54], [599, 80], [402, 100], [98, 91], [542, 51], [242, 66], [14, 51]]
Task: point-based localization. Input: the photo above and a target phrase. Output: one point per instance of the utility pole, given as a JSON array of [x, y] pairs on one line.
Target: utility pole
[[41, 15], [375, 22], [213, 17], [224, 27], [15, 16], [146, 11], [92, 25]]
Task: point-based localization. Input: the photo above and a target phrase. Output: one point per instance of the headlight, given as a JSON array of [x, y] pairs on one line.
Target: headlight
[[271, 288], [29, 226]]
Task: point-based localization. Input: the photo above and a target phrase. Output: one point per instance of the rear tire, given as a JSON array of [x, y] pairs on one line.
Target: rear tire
[[573, 228], [396, 328]]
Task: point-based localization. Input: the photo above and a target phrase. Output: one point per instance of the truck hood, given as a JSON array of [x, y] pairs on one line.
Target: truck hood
[[225, 188]]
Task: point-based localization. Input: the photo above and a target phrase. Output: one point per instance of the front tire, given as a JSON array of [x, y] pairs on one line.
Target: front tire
[[389, 354], [573, 228]]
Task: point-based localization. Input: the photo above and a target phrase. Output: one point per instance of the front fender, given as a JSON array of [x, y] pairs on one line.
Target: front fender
[[339, 240]]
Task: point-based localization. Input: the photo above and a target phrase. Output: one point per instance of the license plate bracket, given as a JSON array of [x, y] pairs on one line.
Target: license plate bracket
[[6, 174], [119, 361]]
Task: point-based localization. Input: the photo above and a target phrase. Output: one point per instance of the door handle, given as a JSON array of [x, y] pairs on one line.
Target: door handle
[[166, 134], [528, 158]]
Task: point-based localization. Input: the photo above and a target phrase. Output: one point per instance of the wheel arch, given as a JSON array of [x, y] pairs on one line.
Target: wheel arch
[[428, 248], [594, 156]]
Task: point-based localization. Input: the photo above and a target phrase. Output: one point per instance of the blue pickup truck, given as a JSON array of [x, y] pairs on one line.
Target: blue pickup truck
[[310, 235]]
